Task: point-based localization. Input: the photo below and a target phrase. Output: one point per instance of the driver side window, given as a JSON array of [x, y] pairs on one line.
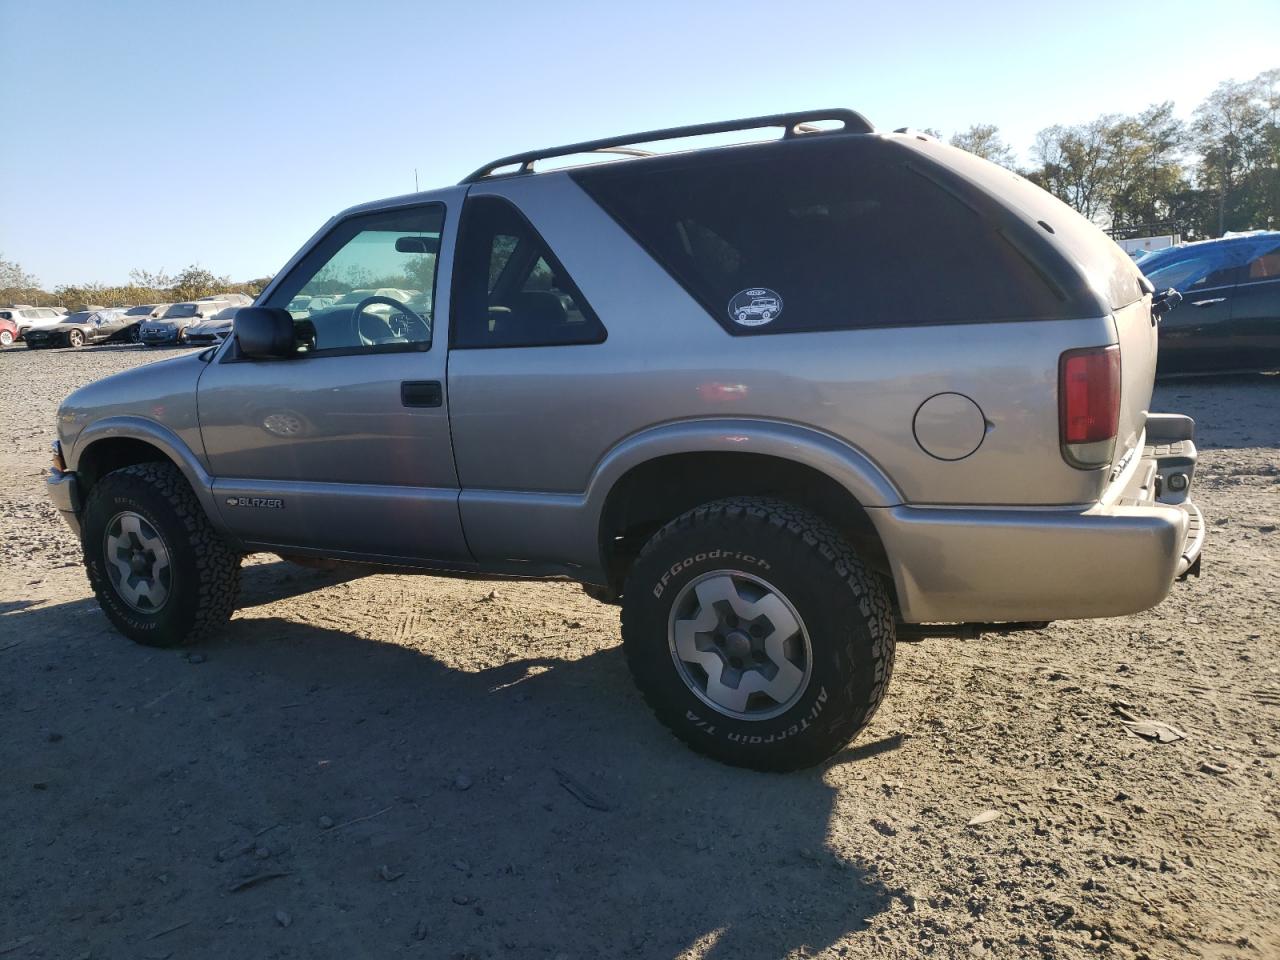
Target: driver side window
[[369, 286]]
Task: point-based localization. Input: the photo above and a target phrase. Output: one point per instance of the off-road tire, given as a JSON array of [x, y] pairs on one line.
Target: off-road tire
[[206, 580], [844, 606]]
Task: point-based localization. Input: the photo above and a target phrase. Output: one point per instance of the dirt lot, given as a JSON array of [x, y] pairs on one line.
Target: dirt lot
[[397, 765]]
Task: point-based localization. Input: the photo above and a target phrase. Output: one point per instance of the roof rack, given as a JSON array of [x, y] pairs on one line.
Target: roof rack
[[794, 124]]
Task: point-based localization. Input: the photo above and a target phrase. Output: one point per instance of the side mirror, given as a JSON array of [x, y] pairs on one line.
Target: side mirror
[[264, 333]]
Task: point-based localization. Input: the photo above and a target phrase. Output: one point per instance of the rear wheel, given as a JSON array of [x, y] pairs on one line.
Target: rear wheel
[[756, 634], [162, 574]]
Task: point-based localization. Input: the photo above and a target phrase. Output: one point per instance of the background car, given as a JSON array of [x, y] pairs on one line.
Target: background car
[[1229, 318], [136, 316], [27, 318], [231, 299], [87, 326], [8, 333], [171, 326], [213, 330]]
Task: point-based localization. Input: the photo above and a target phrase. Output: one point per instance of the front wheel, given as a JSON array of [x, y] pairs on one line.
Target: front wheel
[[75, 338], [6, 338], [756, 634], [162, 574]]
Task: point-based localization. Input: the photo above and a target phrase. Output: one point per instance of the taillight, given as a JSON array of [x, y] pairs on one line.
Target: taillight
[[1089, 405]]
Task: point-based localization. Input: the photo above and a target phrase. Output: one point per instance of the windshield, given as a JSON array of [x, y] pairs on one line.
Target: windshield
[[81, 317], [180, 310], [139, 311]]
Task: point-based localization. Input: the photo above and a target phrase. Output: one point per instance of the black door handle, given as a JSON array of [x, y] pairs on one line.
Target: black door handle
[[421, 393]]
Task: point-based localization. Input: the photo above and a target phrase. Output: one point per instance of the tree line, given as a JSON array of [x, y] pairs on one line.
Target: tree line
[[1147, 173], [144, 286], [1217, 172]]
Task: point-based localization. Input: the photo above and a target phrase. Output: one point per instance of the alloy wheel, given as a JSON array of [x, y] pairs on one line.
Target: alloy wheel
[[138, 563], [739, 645]]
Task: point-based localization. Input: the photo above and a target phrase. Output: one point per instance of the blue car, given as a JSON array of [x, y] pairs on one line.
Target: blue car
[[1229, 318]]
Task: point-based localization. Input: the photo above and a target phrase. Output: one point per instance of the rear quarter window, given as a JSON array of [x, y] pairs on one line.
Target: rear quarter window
[[832, 235]]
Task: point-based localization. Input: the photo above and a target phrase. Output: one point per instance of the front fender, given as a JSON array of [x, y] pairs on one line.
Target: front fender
[[158, 436]]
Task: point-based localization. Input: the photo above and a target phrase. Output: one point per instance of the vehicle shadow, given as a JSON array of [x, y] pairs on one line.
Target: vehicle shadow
[[524, 808]]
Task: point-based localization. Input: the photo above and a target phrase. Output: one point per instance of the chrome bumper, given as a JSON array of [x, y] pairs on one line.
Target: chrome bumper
[[65, 494]]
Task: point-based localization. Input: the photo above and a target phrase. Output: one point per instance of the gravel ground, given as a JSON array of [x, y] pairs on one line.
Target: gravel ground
[[411, 765]]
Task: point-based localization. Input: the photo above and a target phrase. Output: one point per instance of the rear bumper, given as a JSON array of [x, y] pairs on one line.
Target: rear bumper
[[65, 494], [956, 564]]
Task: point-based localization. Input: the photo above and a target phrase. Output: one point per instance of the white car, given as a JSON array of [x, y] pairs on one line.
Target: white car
[[213, 330], [29, 318]]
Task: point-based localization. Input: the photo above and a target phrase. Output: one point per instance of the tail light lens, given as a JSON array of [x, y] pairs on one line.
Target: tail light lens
[[1089, 405]]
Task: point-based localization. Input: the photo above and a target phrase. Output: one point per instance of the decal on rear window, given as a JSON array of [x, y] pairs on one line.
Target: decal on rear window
[[755, 306]]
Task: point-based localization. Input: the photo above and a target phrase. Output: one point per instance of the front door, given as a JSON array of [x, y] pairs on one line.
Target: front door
[[344, 447], [1196, 337]]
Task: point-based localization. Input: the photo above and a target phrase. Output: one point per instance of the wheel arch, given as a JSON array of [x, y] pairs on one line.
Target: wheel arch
[[118, 442], [656, 476]]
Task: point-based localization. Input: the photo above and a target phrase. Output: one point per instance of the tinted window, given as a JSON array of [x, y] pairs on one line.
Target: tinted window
[[509, 290], [821, 236], [1197, 268], [368, 286], [1265, 266]]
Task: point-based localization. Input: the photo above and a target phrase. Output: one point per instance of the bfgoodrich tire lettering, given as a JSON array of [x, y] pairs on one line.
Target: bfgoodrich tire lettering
[[206, 570], [845, 610]]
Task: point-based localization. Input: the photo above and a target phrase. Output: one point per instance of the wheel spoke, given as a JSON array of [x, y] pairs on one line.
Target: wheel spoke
[[138, 563], [730, 636]]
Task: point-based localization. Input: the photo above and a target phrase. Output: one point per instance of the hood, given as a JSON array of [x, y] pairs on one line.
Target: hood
[[163, 392]]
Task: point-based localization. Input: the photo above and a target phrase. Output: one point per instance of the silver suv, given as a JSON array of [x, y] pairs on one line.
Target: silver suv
[[940, 426]]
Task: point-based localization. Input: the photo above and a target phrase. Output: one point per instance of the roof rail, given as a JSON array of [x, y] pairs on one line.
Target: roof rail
[[795, 124]]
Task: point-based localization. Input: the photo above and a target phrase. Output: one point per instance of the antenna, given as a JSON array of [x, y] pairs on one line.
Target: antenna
[[415, 179]]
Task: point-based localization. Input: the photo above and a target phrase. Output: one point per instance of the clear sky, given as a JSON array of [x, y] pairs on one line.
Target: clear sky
[[159, 134]]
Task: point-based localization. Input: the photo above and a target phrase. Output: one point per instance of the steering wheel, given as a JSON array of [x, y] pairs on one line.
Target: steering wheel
[[412, 318]]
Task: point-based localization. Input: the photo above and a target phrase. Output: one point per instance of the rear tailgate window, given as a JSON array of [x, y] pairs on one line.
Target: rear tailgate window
[[832, 234]]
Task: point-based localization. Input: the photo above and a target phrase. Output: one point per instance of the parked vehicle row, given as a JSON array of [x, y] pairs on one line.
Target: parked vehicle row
[[207, 320], [113, 324]]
